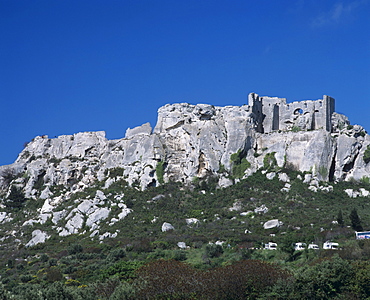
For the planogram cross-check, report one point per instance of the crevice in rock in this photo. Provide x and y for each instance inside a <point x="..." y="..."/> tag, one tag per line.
<point x="348" y="167"/>
<point x="332" y="167"/>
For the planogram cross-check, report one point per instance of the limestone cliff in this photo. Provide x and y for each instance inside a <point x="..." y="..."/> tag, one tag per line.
<point x="191" y="141"/>
<point x="188" y="142"/>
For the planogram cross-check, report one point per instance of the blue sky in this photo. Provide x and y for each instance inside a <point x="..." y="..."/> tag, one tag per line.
<point x="68" y="66"/>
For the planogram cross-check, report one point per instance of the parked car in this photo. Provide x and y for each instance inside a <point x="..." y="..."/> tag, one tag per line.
<point x="299" y="246"/>
<point x="313" y="246"/>
<point x="330" y="246"/>
<point x="271" y="246"/>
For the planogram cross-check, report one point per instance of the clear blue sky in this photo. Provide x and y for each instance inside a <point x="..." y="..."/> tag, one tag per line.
<point x="68" y="66"/>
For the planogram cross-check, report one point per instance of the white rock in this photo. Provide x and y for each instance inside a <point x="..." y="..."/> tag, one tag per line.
<point x="58" y="215"/>
<point x="272" y="224"/>
<point x="312" y="188"/>
<point x="124" y="213"/>
<point x="270" y="175"/>
<point x="100" y="195"/>
<point x="224" y="182"/>
<point x="38" y="237"/>
<point x="167" y="226"/>
<point x="284" y="177"/>
<point x="246" y="213"/>
<point x="3" y="216"/>
<point x="97" y="216"/>
<point x="46" y="193"/>
<point x="307" y="178"/>
<point x="192" y="221"/>
<point x="261" y="210"/>
<point x="47" y="207"/>
<point x="181" y="245"/>
<point x="364" y="193"/>
<point x="74" y="224"/>
<point x="349" y="192"/>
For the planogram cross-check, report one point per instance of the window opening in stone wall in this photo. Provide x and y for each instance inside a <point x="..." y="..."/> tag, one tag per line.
<point x="320" y="103"/>
<point x="298" y="111"/>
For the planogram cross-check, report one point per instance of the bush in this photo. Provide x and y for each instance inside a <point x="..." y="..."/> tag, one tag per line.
<point x="74" y="249"/>
<point x="269" y="161"/>
<point x="159" y="170"/>
<point x="213" y="250"/>
<point x="366" y="156"/>
<point x="240" y="164"/>
<point x="16" y="198"/>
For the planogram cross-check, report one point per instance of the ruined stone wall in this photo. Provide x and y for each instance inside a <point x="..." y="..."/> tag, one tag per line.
<point x="274" y="114"/>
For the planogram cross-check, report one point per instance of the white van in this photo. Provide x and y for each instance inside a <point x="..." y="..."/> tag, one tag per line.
<point x="330" y="246"/>
<point x="299" y="246"/>
<point x="313" y="246"/>
<point x="271" y="246"/>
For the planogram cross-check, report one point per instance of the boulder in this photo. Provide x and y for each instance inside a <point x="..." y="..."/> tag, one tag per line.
<point x="38" y="237"/>
<point x="167" y="227"/>
<point x="272" y="224"/>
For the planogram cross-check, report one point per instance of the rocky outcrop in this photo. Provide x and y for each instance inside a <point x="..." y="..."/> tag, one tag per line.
<point x="188" y="142"/>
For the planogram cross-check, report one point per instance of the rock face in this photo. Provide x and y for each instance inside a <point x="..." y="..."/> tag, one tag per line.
<point x="188" y="142"/>
<point x="191" y="141"/>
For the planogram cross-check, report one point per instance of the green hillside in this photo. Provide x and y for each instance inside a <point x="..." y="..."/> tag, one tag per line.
<point x="142" y="257"/>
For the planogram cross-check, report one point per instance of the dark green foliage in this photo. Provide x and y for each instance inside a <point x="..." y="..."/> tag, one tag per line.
<point x="74" y="249"/>
<point x="7" y="175"/>
<point x="269" y="161"/>
<point x="123" y="270"/>
<point x="355" y="220"/>
<point x="213" y="250"/>
<point x="57" y="291"/>
<point x="324" y="280"/>
<point x="366" y="156"/>
<point x="159" y="170"/>
<point x="16" y="198"/>
<point x="114" y="172"/>
<point x="116" y="254"/>
<point x="239" y="164"/>
<point x="340" y="219"/>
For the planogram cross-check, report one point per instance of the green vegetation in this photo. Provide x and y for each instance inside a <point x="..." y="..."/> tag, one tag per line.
<point x="240" y="164"/>
<point x="143" y="262"/>
<point x="270" y="162"/>
<point x="159" y="171"/>
<point x="366" y="157"/>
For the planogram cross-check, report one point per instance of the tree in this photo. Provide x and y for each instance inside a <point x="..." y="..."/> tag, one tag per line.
<point x="355" y="220"/>
<point x="16" y="198"/>
<point x="340" y="218"/>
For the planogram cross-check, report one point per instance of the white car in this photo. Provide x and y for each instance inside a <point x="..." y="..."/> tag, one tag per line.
<point x="313" y="246"/>
<point x="299" y="246"/>
<point x="271" y="246"/>
<point x="330" y="246"/>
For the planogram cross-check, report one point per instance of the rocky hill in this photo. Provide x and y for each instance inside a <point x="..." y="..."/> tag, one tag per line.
<point x="189" y="143"/>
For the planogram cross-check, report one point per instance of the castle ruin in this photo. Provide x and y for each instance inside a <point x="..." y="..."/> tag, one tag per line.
<point x="274" y="114"/>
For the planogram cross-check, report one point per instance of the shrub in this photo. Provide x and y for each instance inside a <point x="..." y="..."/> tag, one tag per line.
<point x="213" y="250"/>
<point x="74" y="249"/>
<point x="366" y="156"/>
<point x="269" y="161"/>
<point x="159" y="170"/>
<point x="16" y="198"/>
<point x="240" y="164"/>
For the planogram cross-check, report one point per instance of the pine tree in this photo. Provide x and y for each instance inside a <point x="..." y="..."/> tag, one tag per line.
<point x="340" y="218"/>
<point x="355" y="220"/>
